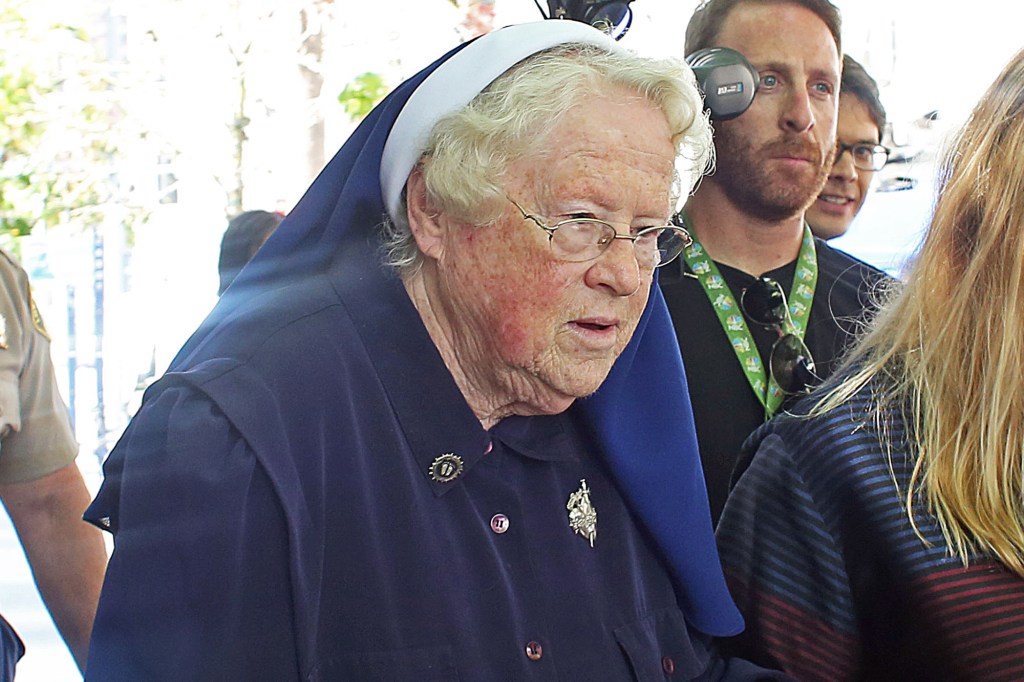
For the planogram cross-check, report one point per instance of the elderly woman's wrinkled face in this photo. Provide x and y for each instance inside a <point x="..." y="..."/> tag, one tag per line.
<point x="544" y="330"/>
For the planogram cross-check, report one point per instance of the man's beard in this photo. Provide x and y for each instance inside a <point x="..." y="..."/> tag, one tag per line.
<point x="742" y="171"/>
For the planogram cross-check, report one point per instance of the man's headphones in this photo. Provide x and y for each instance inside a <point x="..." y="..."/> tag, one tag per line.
<point x="727" y="80"/>
<point x="611" y="16"/>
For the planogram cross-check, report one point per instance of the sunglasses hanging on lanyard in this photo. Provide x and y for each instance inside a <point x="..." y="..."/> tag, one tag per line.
<point x="790" y="367"/>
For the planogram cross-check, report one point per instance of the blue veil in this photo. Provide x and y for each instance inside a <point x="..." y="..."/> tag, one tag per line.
<point x="641" y="416"/>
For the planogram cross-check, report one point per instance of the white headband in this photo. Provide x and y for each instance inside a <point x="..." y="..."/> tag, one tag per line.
<point x="455" y="83"/>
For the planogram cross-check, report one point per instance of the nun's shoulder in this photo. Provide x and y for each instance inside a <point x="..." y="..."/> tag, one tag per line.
<point x="286" y="321"/>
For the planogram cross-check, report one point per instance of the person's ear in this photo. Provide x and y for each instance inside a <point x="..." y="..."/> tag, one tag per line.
<point x="425" y="223"/>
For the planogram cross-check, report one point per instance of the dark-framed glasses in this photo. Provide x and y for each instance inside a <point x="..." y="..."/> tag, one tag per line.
<point x="866" y="157"/>
<point x="581" y="239"/>
<point x="790" y="362"/>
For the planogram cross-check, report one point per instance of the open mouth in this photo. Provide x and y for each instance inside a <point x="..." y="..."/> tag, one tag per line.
<point x="596" y="335"/>
<point x="594" y="326"/>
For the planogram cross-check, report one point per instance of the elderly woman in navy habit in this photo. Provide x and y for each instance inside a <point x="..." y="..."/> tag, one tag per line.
<point x="398" y="448"/>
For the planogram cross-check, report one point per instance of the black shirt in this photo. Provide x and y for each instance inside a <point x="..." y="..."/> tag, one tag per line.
<point x="725" y="408"/>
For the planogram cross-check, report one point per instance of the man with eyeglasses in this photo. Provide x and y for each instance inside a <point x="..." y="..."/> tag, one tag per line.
<point x="761" y="308"/>
<point x="859" y="154"/>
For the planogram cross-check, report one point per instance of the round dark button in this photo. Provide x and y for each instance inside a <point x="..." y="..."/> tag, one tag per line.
<point x="668" y="665"/>
<point x="499" y="523"/>
<point x="534" y="651"/>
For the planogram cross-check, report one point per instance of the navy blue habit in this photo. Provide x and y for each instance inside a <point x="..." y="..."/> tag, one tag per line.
<point x="278" y="513"/>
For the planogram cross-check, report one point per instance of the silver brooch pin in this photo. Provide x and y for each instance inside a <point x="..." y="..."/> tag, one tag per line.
<point x="582" y="515"/>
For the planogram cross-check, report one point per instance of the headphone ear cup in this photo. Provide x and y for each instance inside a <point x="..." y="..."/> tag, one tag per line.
<point x="614" y="17"/>
<point x="727" y="80"/>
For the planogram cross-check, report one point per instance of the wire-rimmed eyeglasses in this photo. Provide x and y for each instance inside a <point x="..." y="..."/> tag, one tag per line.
<point x="866" y="157"/>
<point x="581" y="239"/>
<point x="790" y="363"/>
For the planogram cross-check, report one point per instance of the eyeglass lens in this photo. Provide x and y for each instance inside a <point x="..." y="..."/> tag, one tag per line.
<point x="764" y="302"/>
<point x="790" y="363"/>
<point x="867" y="157"/>
<point x="582" y="240"/>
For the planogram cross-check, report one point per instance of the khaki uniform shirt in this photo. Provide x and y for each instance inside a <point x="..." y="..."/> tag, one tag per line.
<point x="35" y="432"/>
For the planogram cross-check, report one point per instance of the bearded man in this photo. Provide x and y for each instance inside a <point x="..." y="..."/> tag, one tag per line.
<point x="762" y="309"/>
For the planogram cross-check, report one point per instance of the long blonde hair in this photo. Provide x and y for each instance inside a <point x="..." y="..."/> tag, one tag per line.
<point x="949" y="345"/>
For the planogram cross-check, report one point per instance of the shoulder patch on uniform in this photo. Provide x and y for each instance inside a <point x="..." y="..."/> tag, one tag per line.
<point x="37" y="318"/>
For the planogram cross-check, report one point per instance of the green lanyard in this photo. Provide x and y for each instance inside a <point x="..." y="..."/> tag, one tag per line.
<point x="735" y="325"/>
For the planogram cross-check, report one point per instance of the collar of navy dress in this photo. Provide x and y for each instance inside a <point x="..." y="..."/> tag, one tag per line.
<point x="651" y="454"/>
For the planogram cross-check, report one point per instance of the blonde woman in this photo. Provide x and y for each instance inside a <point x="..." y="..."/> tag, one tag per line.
<point x="879" y="532"/>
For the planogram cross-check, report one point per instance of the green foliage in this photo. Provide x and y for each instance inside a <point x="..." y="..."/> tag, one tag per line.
<point x="58" y="127"/>
<point x="361" y="95"/>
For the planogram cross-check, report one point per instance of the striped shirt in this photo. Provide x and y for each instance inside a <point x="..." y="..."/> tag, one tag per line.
<point x="831" y="578"/>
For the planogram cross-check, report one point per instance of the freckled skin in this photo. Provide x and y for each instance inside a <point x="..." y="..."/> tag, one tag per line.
<point x="522" y="332"/>
<point x="792" y="117"/>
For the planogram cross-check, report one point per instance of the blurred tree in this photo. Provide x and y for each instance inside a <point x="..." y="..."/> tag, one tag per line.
<point x="367" y="89"/>
<point x="247" y="32"/>
<point x="362" y="94"/>
<point x="238" y="23"/>
<point x="58" y="114"/>
<point x="312" y="20"/>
